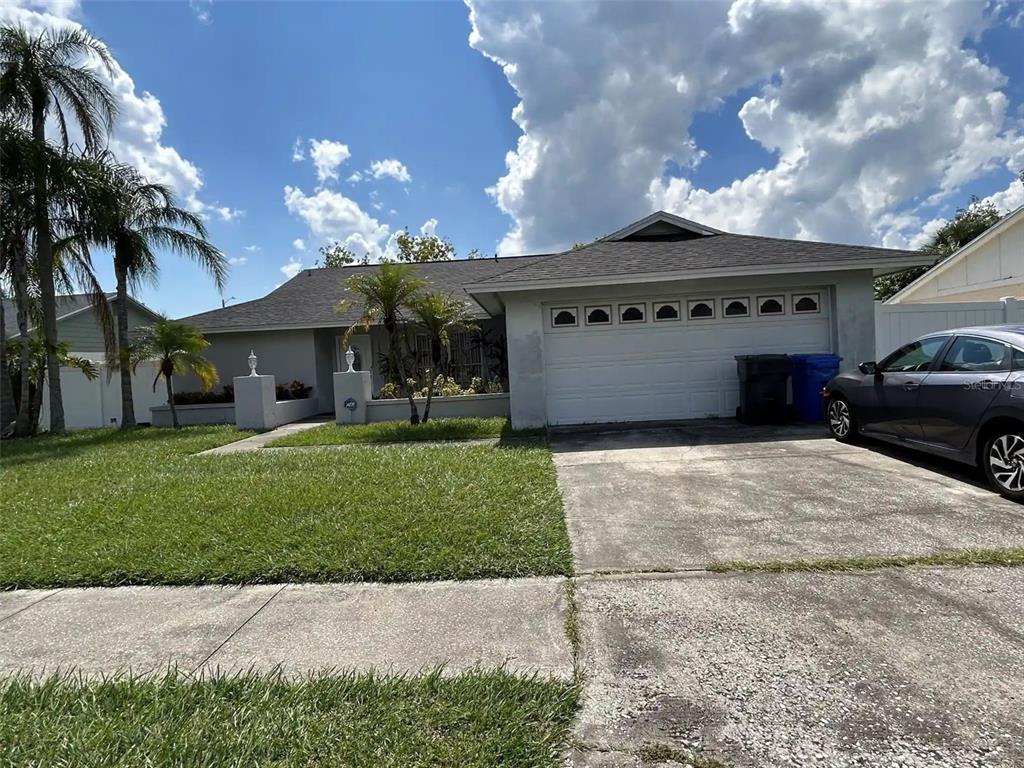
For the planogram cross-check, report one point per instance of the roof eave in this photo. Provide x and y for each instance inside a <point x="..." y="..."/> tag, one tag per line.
<point x="878" y="267"/>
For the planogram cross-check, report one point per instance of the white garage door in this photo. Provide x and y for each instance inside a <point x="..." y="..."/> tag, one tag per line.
<point x="671" y="358"/>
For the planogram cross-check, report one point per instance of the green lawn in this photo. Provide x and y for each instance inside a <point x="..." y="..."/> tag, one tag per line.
<point x="475" y="719"/>
<point x="403" y="431"/>
<point x="109" y="508"/>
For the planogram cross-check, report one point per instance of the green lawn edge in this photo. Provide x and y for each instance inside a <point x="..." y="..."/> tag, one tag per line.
<point x="965" y="557"/>
<point x="435" y="430"/>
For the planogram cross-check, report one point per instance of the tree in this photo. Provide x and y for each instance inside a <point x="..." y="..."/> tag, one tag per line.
<point x="134" y="217"/>
<point x="69" y="181"/>
<point x="385" y="294"/>
<point x="419" y="248"/>
<point x="439" y="316"/>
<point x="476" y="253"/>
<point x="966" y="224"/>
<point x="35" y="370"/>
<point x="41" y="76"/>
<point x="338" y="255"/>
<point x="177" y="348"/>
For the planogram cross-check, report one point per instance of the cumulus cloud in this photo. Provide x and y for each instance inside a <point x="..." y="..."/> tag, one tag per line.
<point x="292" y="268"/>
<point x="331" y="216"/>
<point x="429" y="227"/>
<point x="299" y="244"/>
<point x="390" y="168"/>
<point x="237" y="261"/>
<point x="137" y="137"/>
<point x="203" y="10"/>
<point x="226" y="213"/>
<point x="872" y="112"/>
<point x="252" y="248"/>
<point x="327" y="156"/>
<point x="355" y="178"/>
<point x="298" y="151"/>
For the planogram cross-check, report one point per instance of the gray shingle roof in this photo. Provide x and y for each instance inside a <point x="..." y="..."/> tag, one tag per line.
<point x="623" y="258"/>
<point x="309" y="299"/>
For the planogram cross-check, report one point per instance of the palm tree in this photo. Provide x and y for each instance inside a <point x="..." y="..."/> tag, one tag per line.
<point x="440" y="316"/>
<point x="385" y="294"/>
<point x="41" y="76"/>
<point x="137" y="217"/>
<point x="69" y="179"/>
<point x="177" y="349"/>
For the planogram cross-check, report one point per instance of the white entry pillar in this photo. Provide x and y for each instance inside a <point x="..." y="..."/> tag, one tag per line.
<point x="352" y="391"/>
<point x="255" y="399"/>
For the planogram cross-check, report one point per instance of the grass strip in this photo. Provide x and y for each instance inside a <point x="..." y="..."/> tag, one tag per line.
<point x="402" y="431"/>
<point x="473" y="719"/>
<point x="963" y="557"/>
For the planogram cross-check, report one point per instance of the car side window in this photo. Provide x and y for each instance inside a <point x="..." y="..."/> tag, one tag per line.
<point x="973" y="354"/>
<point x="1018" y="359"/>
<point x="916" y="356"/>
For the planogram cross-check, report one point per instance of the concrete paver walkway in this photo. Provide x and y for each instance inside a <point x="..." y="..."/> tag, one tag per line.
<point x="519" y="623"/>
<point x="256" y="442"/>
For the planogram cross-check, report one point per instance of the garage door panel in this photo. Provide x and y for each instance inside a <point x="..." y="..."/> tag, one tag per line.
<point x="652" y="371"/>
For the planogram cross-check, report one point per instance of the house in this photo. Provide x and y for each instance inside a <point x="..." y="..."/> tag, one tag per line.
<point x="96" y="402"/>
<point x="988" y="268"/>
<point x="641" y="325"/>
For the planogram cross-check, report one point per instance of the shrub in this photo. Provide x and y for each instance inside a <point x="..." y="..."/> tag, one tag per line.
<point x="225" y="395"/>
<point x="294" y="391"/>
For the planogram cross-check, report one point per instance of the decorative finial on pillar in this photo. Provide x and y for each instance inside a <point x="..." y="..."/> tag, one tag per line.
<point x="252" y="363"/>
<point x="350" y="358"/>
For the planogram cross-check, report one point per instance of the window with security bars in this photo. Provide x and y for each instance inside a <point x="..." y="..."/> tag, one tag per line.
<point x="465" y="356"/>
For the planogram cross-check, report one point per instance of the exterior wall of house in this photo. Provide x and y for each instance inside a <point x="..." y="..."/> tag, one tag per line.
<point x="853" y="322"/>
<point x="288" y="355"/>
<point x="83" y="334"/>
<point x="993" y="270"/>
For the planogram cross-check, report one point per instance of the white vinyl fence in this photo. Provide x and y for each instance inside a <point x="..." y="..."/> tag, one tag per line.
<point x="897" y="324"/>
<point x="97" y="403"/>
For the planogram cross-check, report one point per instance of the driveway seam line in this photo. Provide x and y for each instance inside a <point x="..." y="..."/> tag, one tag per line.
<point x="237" y="629"/>
<point x="32" y="604"/>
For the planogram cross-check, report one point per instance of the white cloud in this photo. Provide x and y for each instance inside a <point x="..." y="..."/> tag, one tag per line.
<point x="252" y="248"/>
<point x="292" y="268"/>
<point x="298" y="153"/>
<point x="390" y="168"/>
<point x="138" y="133"/>
<point x="299" y="244"/>
<point x="429" y="227"/>
<point x="228" y="214"/>
<point x="355" y="178"/>
<point x="332" y="216"/>
<point x="327" y="156"/>
<point x="237" y="261"/>
<point x="866" y="108"/>
<point x="203" y="9"/>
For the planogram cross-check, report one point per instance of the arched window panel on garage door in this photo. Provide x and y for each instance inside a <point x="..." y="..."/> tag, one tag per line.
<point x="633" y="313"/>
<point x="806" y="303"/>
<point x="564" y="317"/>
<point x="737" y="306"/>
<point x="666" y="311"/>
<point x="771" y="305"/>
<point x="598" y="315"/>
<point x="700" y="309"/>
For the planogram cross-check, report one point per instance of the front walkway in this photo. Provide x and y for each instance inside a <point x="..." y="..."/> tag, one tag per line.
<point x="254" y="443"/>
<point x="303" y="628"/>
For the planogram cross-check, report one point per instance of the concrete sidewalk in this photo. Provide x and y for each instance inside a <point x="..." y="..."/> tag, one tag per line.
<point x="301" y="627"/>
<point x="254" y="443"/>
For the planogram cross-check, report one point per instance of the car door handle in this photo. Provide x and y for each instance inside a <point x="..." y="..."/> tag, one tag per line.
<point x="910" y="386"/>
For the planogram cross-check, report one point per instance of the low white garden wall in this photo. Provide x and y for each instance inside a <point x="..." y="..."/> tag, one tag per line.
<point x="476" y="406"/>
<point x="190" y="415"/>
<point x="292" y="410"/>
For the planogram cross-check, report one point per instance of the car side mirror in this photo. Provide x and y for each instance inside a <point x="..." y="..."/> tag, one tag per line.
<point x="869" y="368"/>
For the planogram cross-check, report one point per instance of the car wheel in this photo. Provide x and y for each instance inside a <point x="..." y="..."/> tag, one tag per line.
<point x="1004" y="463"/>
<point x="841" y="422"/>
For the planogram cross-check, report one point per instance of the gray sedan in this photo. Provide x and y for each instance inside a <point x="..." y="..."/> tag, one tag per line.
<point x="957" y="393"/>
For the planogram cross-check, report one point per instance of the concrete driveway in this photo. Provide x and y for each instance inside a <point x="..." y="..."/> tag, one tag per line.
<point x="921" y="668"/>
<point x="683" y="497"/>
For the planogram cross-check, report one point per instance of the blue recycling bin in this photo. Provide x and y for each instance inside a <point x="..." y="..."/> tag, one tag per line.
<point x="810" y="375"/>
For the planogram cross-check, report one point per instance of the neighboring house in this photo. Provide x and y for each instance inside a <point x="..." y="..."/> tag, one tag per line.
<point x="641" y="325"/>
<point x="988" y="268"/>
<point x="93" y="403"/>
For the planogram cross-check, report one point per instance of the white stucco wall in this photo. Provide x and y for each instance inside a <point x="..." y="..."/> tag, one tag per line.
<point x="853" y="321"/>
<point x="287" y="355"/>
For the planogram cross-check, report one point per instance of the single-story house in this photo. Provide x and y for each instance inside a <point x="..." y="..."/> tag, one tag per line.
<point x="989" y="268"/>
<point x="643" y="324"/>
<point x="96" y="402"/>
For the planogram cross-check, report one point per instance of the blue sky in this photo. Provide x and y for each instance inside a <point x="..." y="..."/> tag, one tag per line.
<point x="523" y="127"/>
